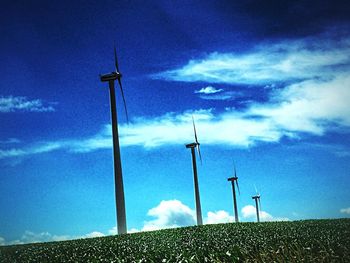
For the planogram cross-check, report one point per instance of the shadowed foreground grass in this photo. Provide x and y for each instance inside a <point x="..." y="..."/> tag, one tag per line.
<point x="299" y="241"/>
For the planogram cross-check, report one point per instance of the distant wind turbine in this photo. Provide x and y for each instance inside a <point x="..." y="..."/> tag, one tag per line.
<point x="233" y="180"/>
<point x="257" y="203"/>
<point x="195" y="177"/>
<point x="118" y="177"/>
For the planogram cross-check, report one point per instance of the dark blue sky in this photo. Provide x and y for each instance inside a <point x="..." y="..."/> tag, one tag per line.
<point x="267" y="83"/>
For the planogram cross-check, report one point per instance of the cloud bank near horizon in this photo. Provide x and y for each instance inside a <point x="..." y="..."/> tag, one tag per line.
<point x="167" y="214"/>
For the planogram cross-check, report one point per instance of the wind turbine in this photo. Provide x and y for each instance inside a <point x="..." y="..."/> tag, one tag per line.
<point x="118" y="177"/>
<point x="257" y="200"/>
<point x="233" y="180"/>
<point x="192" y="146"/>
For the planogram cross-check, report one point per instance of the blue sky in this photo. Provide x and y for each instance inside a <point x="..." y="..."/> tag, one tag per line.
<point x="268" y="85"/>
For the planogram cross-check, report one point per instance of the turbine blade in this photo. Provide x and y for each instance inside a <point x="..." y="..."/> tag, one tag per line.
<point x="239" y="192"/>
<point x="116" y="60"/>
<point x="195" y="132"/>
<point x="256" y="191"/>
<point x="121" y="89"/>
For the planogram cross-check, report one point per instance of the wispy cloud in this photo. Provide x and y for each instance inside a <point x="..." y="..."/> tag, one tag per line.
<point x="345" y="210"/>
<point x="225" y="95"/>
<point x="208" y="90"/>
<point x="22" y="104"/>
<point x="212" y="93"/>
<point x="312" y="107"/>
<point x="310" y="58"/>
<point x="311" y="99"/>
<point x="10" y="141"/>
<point x="37" y="148"/>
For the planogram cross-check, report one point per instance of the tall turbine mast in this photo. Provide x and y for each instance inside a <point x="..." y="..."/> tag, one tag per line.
<point x="192" y="146"/>
<point x="257" y="203"/>
<point x="233" y="180"/>
<point x="118" y="177"/>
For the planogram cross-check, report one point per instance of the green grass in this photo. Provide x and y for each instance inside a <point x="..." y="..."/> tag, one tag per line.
<point x="299" y="241"/>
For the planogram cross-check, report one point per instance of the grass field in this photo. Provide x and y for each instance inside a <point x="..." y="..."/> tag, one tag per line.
<point x="299" y="241"/>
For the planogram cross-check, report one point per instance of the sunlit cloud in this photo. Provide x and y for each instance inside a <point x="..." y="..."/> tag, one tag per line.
<point x="285" y="61"/>
<point x="312" y="107"/>
<point x="222" y="95"/>
<point x="93" y="234"/>
<point x="169" y="214"/>
<point x="173" y="213"/>
<point x="2" y="241"/>
<point x="345" y="210"/>
<point x="22" y="104"/>
<point x="33" y="237"/>
<point x="217" y="217"/>
<point x="208" y="90"/>
<point x="249" y="212"/>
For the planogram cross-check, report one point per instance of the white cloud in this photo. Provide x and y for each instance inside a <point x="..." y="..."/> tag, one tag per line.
<point x="2" y="241"/>
<point x="12" y="104"/>
<point x="312" y="107"/>
<point x="93" y="234"/>
<point x="218" y="217"/>
<point x="114" y="230"/>
<point x="208" y="90"/>
<point x="32" y="237"/>
<point x="133" y="230"/>
<point x="249" y="212"/>
<point x="169" y="214"/>
<point x="225" y="95"/>
<point x="173" y="213"/>
<point x="11" y="153"/>
<point x="10" y="141"/>
<point x="37" y="148"/>
<point x="272" y="62"/>
<point x="345" y="210"/>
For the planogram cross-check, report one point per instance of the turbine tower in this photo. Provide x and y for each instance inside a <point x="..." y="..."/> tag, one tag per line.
<point x="195" y="177"/>
<point x="233" y="180"/>
<point x="118" y="177"/>
<point x="257" y="200"/>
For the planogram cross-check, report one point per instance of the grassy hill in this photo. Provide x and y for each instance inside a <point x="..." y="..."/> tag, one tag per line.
<point x="299" y="241"/>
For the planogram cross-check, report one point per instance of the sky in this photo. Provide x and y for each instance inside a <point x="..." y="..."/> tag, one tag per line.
<point x="268" y="85"/>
